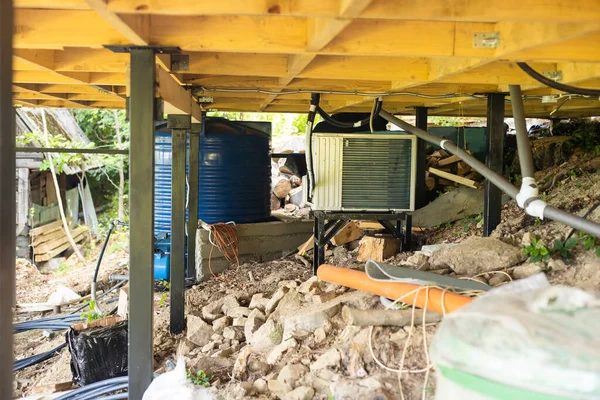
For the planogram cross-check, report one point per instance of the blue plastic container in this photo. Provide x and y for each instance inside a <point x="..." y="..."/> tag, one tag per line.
<point x="163" y="160"/>
<point x="234" y="172"/>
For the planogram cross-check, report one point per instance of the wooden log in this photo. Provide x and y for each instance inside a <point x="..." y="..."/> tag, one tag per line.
<point x="378" y="247"/>
<point x="401" y="318"/>
<point x="369" y="225"/>
<point x="275" y="202"/>
<point x="40" y="230"/>
<point x="448" y="161"/>
<point x="348" y="233"/>
<point x="462" y="168"/>
<point x="282" y="188"/>
<point x="53" y="244"/>
<point x="455" y="178"/>
<point x="430" y="183"/>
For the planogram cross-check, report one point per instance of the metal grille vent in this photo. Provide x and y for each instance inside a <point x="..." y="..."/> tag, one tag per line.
<point x="376" y="174"/>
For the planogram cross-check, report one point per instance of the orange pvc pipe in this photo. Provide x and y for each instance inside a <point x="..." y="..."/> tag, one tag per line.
<point x="393" y="290"/>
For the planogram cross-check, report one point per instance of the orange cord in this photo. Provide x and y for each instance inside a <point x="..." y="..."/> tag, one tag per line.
<point x="224" y="236"/>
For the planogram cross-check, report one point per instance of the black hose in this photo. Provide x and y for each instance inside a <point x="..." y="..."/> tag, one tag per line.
<point x="327" y="118"/>
<point x="29" y="361"/>
<point x="556" y="85"/>
<point x="107" y="384"/>
<point x="94" y="394"/>
<point x="315" y="98"/>
<point x="587" y="214"/>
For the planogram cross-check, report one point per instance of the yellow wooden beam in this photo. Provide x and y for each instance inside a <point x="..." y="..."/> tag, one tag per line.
<point x="52" y="4"/>
<point x="440" y="10"/>
<point x="90" y="60"/>
<point x="33" y="93"/>
<point x="135" y="28"/>
<point x="179" y="100"/>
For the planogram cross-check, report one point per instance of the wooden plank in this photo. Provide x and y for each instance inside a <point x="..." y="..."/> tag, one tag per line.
<point x="55" y="234"/>
<point x="58" y="250"/>
<point x="53" y="244"/>
<point x="455" y="178"/>
<point x="136" y="28"/>
<point x="307" y="245"/>
<point x="370" y="225"/>
<point x="171" y="92"/>
<point x="462" y="168"/>
<point x="448" y="161"/>
<point x="44" y="229"/>
<point x="348" y="233"/>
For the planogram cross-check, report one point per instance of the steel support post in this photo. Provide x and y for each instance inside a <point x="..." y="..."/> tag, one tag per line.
<point x="7" y="200"/>
<point x="179" y="125"/>
<point x="193" y="198"/>
<point x="318" y="249"/>
<point x="141" y="221"/>
<point x="421" y="122"/>
<point x="493" y="160"/>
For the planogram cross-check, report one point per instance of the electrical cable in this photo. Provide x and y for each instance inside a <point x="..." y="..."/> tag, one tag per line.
<point x="557" y="85"/>
<point x="587" y="214"/>
<point x="346" y="125"/>
<point x="108" y="385"/>
<point x="29" y="361"/>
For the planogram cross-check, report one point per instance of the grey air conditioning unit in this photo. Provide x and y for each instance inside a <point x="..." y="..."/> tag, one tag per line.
<point x="357" y="172"/>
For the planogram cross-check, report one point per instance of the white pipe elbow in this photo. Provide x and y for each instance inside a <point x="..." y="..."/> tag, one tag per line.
<point x="527" y="198"/>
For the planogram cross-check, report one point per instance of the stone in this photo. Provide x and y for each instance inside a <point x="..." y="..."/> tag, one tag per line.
<point x="278" y="350"/>
<point x="330" y="359"/>
<point x="366" y="388"/>
<point x="260" y="385"/>
<point x="291" y="373"/>
<point x="320" y="335"/>
<point x="556" y="264"/>
<point x="221" y="323"/>
<point x="237" y="312"/>
<point x="300" y="393"/>
<point x="258" y="367"/>
<point x="355" y="364"/>
<point x="261" y="339"/>
<point x="528" y="269"/>
<point x="498" y="279"/>
<point x="289" y="304"/>
<point x="278" y="387"/>
<point x="300" y="335"/>
<point x="526" y="239"/>
<point x="258" y="301"/>
<point x="213" y="366"/>
<point x="209" y="346"/>
<point x="288" y="283"/>
<point x="226" y="352"/>
<point x="198" y="331"/>
<point x="212" y="311"/>
<point x="229" y="302"/>
<point x="217" y="338"/>
<point x="309" y="285"/>
<point x="239" y="321"/>
<point x="242" y="390"/>
<point x="323" y="297"/>
<point x="476" y="255"/>
<point x="275" y="299"/>
<point x="419" y="260"/>
<point x="240" y="365"/>
<point x="398" y="336"/>
<point x="253" y="322"/>
<point x="233" y="332"/>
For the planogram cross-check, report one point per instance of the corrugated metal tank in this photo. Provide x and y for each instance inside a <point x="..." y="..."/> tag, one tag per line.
<point x="235" y="173"/>
<point x="162" y="182"/>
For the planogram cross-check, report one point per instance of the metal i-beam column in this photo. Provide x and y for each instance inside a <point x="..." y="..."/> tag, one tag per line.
<point x="421" y="122"/>
<point x="493" y="159"/>
<point x="193" y="198"/>
<point x="141" y="220"/>
<point x="179" y="125"/>
<point x="7" y="200"/>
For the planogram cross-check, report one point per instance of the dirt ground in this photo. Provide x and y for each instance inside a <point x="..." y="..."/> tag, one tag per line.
<point x="351" y="370"/>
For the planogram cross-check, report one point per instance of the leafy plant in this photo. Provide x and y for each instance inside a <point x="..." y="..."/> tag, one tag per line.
<point x="470" y="221"/>
<point x="589" y="242"/>
<point x="536" y="251"/>
<point x="165" y="295"/>
<point x="199" y="378"/>
<point x="563" y="248"/>
<point x="92" y="313"/>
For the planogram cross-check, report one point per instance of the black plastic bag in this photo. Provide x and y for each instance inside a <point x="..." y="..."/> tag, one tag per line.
<point x="98" y="353"/>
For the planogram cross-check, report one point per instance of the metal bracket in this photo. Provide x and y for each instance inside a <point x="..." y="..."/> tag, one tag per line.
<point x="486" y="40"/>
<point x="196" y="128"/>
<point x="205" y="99"/>
<point x="157" y="49"/>
<point x="180" y="62"/>
<point x="554" y="75"/>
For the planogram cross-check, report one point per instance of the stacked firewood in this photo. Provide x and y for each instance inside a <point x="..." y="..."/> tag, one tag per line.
<point x="444" y="169"/>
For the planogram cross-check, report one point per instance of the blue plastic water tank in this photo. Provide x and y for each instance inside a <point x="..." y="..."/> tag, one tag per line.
<point x="234" y="173"/>
<point x="162" y="182"/>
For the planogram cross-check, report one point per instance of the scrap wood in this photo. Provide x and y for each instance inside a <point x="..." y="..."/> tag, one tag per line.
<point x="357" y="317"/>
<point x="52" y="388"/>
<point x="307" y="245"/>
<point x="409" y="293"/>
<point x="347" y="234"/>
<point x="449" y="160"/>
<point x="25" y="307"/>
<point x="45" y="229"/>
<point x="53" y="244"/>
<point x="458" y="179"/>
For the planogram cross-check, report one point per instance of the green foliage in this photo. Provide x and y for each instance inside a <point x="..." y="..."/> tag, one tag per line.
<point x="60" y="160"/>
<point x="589" y="242"/>
<point x="91" y="314"/>
<point x="585" y="134"/>
<point x="470" y="221"/>
<point x="199" y="378"/>
<point x="536" y="251"/>
<point x="455" y="121"/>
<point x="165" y="295"/>
<point x="282" y="124"/>
<point x="563" y="248"/>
